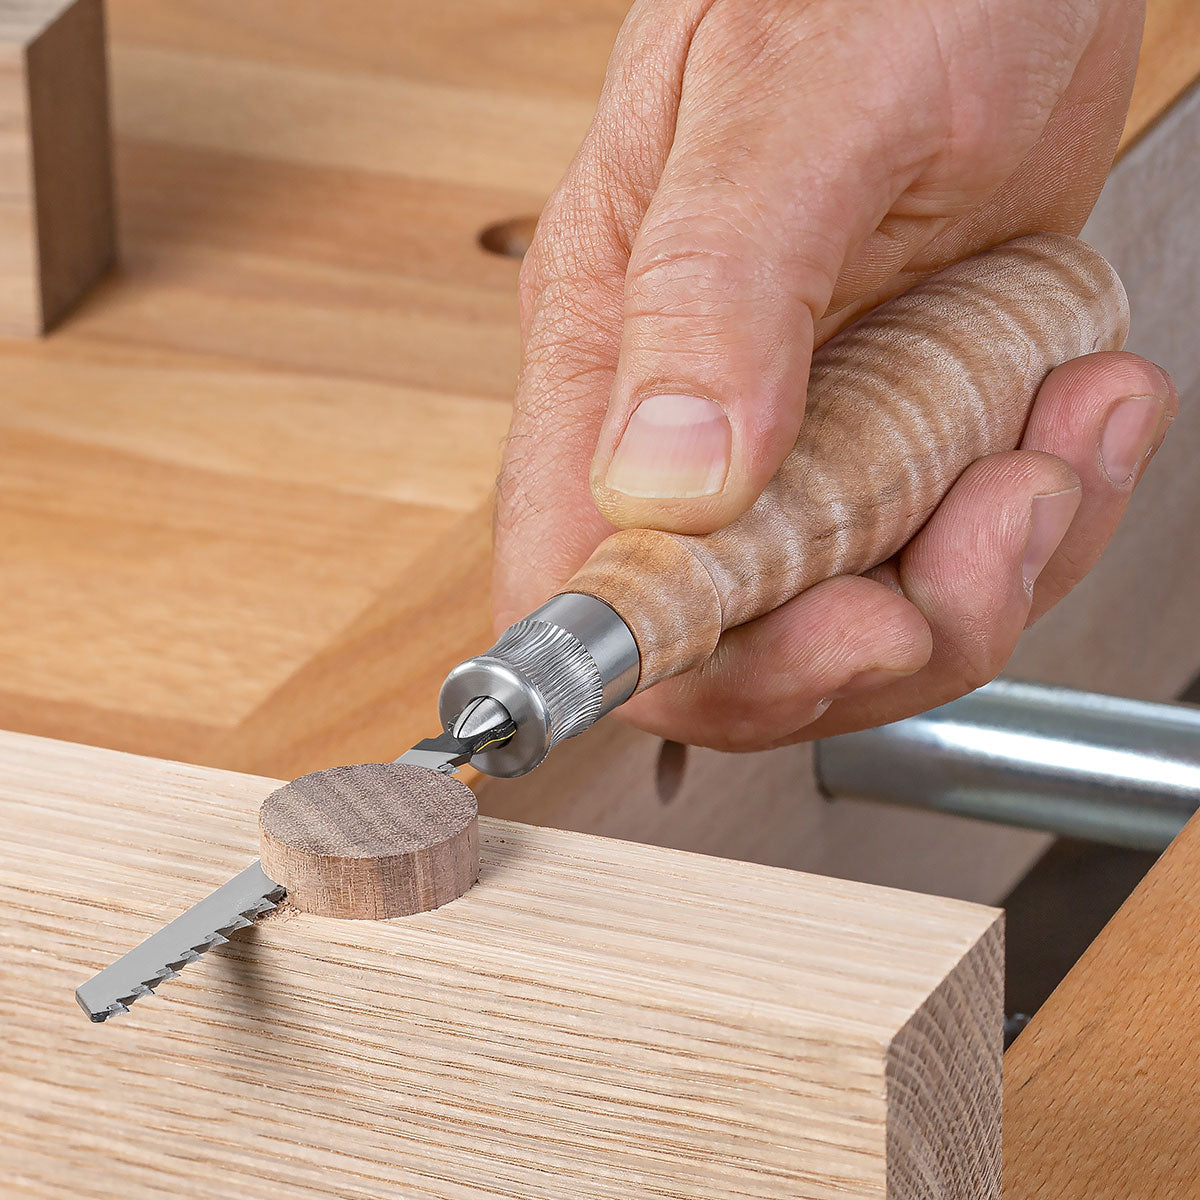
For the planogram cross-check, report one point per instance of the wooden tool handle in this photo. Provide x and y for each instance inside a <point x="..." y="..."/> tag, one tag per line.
<point x="899" y="405"/>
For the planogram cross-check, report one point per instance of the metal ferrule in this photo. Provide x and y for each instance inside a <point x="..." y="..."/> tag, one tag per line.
<point x="556" y="672"/>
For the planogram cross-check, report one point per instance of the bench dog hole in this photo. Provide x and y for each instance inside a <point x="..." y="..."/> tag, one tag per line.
<point x="509" y="238"/>
<point x="668" y="775"/>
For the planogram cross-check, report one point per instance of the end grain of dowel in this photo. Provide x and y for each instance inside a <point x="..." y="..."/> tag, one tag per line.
<point x="371" y="841"/>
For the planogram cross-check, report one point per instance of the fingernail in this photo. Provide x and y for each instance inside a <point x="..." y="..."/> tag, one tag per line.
<point x="1050" y="517"/>
<point x="1128" y="436"/>
<point x="673" y="446"/>
<point x="867" y="681"/>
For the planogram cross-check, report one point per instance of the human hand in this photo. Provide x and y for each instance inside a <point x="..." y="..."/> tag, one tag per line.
<point x="736" y="202"/>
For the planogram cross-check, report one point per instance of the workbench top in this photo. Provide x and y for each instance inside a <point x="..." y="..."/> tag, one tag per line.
<point x="289" y="399"/>
<point x="273" y="431"/>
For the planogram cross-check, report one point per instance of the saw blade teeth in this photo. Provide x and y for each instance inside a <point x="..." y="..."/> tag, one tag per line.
<point x="231" y="907"/>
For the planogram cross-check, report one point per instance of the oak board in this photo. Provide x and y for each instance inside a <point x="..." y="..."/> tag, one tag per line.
<point x="593" y="1019"/>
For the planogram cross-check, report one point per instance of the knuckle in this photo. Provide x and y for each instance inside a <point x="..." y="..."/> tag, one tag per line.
<point x="688" y="267"/>
<point x="579" y="232"/>
<point x="765" y="34"/>
<point x="978" y="660"/>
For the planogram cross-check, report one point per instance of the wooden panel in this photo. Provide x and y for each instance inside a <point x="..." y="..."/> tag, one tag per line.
<point x="1101" y="1089"/>
<point x="593" y="1018"/>
<point x="1169" y="63"/>
<point x="56" y="218"/>
<point x="1130" y="627"/>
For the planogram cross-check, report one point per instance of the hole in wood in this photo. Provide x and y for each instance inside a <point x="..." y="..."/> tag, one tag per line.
<point x="668" y="778"/>
<point x="509" y="238"/>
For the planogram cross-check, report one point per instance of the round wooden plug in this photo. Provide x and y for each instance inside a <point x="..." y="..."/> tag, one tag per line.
<point x="371" y="841"/>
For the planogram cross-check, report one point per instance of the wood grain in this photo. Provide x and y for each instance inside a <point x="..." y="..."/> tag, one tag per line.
<point x="593" y="1018"/>
<point x="899" y="405"/>
<point x="57" y="224"/>
<point x="1101" y="1088"/>
<point x="371" y="841"/>
<point x="1169" y="64"/>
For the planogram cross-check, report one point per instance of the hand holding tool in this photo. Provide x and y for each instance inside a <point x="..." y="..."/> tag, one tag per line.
<point x="899" y="405"/>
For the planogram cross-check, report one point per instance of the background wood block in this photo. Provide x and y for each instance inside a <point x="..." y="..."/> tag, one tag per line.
<point x="1101" y="1088"/>
<point x="593" y="1018"/>
<point x="57" y="225"/>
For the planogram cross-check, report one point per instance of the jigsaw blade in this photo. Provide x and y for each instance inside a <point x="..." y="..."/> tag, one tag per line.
<point x="238" y="903"/>
<point x="207" y="924"/>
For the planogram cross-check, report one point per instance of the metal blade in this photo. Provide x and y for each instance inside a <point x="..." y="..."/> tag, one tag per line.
<point x="234" y="905"/>
<point x="483" y="724"/>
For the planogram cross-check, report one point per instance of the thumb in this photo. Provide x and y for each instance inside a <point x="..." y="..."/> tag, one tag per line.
<point x="735" y="260"/>
<point x="712" y="372"/>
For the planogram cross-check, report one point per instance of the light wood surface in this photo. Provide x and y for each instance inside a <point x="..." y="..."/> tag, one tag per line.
<point x="57" y="225"/>
<point x="899" y="405"/>
<point x="244" y="488"/>
<point x="594" y="1018"/>
<point x="1101" y="1089"/>
<point x="371" y="841"/>
<point x="1169" y="64"/>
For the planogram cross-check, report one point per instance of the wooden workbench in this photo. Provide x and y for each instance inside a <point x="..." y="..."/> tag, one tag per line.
<point x="593" y="1019"/>
<point x="244" y="489"/>
<point x="1102" y="1090"/>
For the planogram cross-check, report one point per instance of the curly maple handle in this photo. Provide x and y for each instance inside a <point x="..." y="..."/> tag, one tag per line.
<point x="899" y="405"/>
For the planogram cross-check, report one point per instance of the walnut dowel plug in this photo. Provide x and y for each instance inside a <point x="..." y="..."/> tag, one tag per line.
<point x="372" y="841"/>
<point x="899" y="405"/>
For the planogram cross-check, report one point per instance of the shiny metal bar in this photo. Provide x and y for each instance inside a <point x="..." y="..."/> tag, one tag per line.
<point x="1125" y="772"/>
